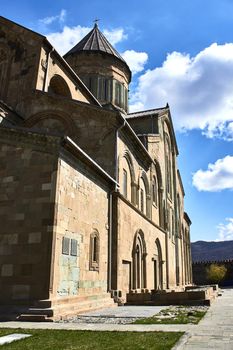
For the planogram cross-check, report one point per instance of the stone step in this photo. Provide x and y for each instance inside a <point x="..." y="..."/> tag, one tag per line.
<point x="46" y="303"/>
<point x="34" y="318"/>
<point x="64" y="311"/>
<point x="38" y="311"/>
<point x="47" y="310"/>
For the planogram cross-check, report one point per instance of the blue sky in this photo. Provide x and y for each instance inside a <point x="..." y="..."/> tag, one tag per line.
<point x="180" y="52"/>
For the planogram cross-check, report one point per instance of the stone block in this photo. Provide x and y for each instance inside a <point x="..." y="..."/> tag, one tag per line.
<point x="20" y="291"/>
<point x="7" y="270"/>
<point x="34" y="237"/>
<point x="46" y="186"/>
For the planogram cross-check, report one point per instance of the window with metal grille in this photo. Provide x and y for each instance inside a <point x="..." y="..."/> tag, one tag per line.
<point x="66" y="246"/>
<point x="74" y="247"/>
<point x="94" y="251"/>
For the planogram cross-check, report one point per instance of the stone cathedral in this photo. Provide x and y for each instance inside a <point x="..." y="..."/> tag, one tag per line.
<point x="91" y="199"/>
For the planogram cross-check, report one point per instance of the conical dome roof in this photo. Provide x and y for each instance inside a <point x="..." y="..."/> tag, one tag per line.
<point x="95" y="41"/>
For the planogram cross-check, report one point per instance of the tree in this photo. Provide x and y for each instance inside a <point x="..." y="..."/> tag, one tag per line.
<point x="216" y="273"/>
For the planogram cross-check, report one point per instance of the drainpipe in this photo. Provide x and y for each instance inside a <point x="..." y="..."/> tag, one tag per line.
<point x="165" y="226"/>
<point x="110" y="242"/>
<point x="175" y="219"/>
<point x="45" y="84"/>
<point x="111" y="207"/>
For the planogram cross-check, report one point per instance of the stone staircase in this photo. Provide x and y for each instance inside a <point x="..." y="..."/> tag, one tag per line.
<point x="54" y="310"/>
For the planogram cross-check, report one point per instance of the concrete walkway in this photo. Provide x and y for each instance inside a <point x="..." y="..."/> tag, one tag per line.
<point x="215" y="331"/>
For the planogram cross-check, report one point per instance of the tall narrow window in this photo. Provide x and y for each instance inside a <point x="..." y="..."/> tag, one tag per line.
<point x="94" y="251"/>
<point x="142" y="200"/>
<point x="94" y="257"/>
<point x="139" y="261"/>
<point x="117" y="93"/>
<point x="155" y="191"/>
<point x="125" y="183"/>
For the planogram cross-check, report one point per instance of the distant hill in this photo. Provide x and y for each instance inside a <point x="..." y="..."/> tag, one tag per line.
<point x="212" y="251"/>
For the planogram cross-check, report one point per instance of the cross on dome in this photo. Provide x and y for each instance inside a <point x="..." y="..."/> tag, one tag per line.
<point x="96" y="22"/>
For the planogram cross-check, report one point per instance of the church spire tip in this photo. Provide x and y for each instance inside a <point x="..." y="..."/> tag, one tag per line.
<point x="96" y="23"/>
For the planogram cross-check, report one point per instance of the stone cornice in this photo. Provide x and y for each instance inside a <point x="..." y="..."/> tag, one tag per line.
<point x="15" y="135"/>
<point x="50" y="144"/>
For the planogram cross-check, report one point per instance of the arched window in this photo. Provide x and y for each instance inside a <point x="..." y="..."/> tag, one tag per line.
<point x="59" y="86"/>
<point x="125" y="183"/>
<point x="94" y="251"/>
<point x="155" y="191"/>
<point x="127" y="177"/>
<point x="142" y="196"/>
<point x="158" y="268"/>
<point x="139" y="261"/>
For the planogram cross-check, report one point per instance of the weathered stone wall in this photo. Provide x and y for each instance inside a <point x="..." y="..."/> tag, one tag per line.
<point x="157" y="136"/>
<point x="92" y="128"/>
<point x="81" y="209"/>
<point x="27" y="63"/>
<point x="27" y="195"/>
<point x="22" y="50"/>
<point x="130" y="221"/>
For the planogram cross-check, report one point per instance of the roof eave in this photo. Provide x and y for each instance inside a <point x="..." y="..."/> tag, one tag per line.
<point x="147" y="158"/>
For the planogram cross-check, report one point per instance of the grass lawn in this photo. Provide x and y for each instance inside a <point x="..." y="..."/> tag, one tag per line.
<point x="178" y="315"/>
<point x="85" y="340"/>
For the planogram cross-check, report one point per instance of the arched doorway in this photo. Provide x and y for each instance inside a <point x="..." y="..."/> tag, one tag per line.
<point x="139" y="261"/>
<point x="158" y="266"/>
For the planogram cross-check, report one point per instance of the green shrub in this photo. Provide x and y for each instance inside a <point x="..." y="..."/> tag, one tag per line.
<point x="216" y="273"/>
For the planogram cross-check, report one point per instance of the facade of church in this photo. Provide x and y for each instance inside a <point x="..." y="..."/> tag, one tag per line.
<point x="91" y="199"/>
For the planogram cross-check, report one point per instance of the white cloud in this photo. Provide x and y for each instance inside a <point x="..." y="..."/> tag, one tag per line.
<point x="218" y="176"/>
<point x="135" y="60"/>
<point x="199" y="90"/>
<point x="64" y="40"/>
<point x="225" y="231"/>
<point x="115" y="35"/>
<point x="48" y="20"/>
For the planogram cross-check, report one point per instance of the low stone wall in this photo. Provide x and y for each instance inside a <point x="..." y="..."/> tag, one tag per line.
<point x="195" y="296"/>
